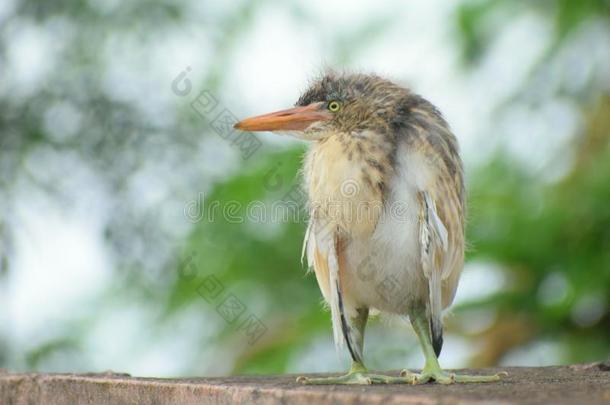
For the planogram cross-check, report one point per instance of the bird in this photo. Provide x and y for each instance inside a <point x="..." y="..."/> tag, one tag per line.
<point x="386" y="202"/>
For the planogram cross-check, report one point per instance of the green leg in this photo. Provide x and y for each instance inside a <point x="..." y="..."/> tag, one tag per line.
<point x="358" y="374"/>
<point x="432" y="370"/>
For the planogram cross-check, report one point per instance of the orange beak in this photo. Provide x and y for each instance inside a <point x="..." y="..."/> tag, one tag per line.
<point x="292" y="119"/>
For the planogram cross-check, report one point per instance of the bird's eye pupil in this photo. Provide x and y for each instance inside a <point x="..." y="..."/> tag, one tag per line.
<point x="333" y="106"/>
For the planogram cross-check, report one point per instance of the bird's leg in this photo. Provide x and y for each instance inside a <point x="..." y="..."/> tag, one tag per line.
<point x="432" y="370"/>
<point x="358" y="373"/>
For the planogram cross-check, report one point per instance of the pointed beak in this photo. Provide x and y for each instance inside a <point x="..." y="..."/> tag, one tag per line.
<point x="292" y="119"/>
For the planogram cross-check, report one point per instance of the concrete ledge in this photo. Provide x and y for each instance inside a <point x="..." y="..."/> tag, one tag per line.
<point x="578" y="384"/>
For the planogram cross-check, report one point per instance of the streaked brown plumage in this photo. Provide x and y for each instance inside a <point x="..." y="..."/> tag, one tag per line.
<point x="387" y="207"/>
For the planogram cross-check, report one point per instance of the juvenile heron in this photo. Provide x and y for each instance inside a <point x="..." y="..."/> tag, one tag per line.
<point x="387" y="207"/>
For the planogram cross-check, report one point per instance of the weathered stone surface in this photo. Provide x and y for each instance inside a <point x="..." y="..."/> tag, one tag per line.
<point x="578" y="384"/>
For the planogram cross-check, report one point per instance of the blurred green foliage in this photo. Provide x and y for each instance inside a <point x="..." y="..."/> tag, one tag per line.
<point x="552" y="240"/>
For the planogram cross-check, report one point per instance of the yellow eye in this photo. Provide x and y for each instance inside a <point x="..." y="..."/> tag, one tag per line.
<point x="334" y="106"/>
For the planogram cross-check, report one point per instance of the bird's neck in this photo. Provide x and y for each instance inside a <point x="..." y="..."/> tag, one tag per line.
<point x="346" y="178"/>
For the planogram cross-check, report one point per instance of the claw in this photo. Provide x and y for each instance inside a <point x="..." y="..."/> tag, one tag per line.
<point x="404" y="373"/>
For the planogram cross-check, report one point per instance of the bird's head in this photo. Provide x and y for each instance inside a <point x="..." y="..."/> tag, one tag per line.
<point x="335" y="104"/>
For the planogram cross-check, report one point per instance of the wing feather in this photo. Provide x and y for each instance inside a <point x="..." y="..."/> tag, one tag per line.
<point x="439" y="251"/>
<point x="322" y="255"/>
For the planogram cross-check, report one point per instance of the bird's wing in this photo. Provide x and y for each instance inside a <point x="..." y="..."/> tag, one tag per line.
<point x="322" y="256"/>
<point x="433" y="236"/>
<point x="442" y="228"/>
<point x="441" y="247"/>
<point x="326" y="254"/>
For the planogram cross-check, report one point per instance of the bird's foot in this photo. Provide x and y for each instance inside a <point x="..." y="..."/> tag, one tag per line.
<point x="358" y="378"/>
<point x="358" y="375"/>
<point x="443" y="377"/>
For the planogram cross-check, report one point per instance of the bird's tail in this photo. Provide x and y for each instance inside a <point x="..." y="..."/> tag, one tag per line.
<point x="435" y="315"/>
